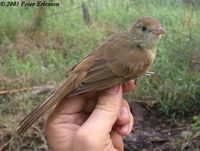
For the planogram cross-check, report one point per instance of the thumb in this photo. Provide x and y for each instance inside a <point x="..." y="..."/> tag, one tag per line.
<point x="106" y="111"/>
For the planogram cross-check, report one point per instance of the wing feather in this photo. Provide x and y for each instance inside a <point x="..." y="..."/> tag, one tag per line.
<point x="100" y="76"/>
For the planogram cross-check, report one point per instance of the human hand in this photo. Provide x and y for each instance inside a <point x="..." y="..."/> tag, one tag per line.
<point x="91" y="122"/>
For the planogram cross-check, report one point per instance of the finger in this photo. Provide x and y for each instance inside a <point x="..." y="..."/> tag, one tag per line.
<point x="105" y="113"/>
<point x="126" y="129"/>
<point x="92" y="97"/>
<point x="124" y="122"/>
<point x="124" y="114"/>
<point x="128" y="86"/>
<point x="90" y="105"/>
<point x="117" y="141"/>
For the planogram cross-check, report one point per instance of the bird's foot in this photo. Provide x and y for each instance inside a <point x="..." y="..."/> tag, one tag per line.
<point x="149" y="73"/>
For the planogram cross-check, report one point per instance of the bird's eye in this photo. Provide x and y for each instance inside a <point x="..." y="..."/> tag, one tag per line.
<point x="144" y="28"/>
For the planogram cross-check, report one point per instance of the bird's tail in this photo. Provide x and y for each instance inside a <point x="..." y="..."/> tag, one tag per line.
<point x="56" y="97"/>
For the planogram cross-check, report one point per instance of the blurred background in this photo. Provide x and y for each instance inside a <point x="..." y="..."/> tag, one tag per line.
<point x="39" y="44"/>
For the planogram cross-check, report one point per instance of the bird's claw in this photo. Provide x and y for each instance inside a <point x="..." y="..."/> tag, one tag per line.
<point x="149" y="73"/>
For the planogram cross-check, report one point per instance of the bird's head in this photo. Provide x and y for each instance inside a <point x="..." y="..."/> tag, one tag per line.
<point x="146" y="32"/>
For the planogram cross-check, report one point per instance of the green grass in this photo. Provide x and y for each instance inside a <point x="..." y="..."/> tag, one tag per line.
<point x="173" y="86"/>
<point x="66" y="39"/>
<point x="196" y="125"/>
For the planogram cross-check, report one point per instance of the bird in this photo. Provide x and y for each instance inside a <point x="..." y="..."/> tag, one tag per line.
<point x="123" y="56"/>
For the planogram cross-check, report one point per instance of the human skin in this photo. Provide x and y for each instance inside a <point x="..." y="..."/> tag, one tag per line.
<point x="95" y="122"/>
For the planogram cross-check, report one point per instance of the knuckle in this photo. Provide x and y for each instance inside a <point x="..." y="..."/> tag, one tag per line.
<point x="109" y="103"/>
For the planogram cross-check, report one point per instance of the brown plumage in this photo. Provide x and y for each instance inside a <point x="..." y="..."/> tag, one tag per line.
<point x="123" y="56"/>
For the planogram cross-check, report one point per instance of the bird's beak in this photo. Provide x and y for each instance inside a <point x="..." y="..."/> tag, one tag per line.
<point x="159" y="31"/>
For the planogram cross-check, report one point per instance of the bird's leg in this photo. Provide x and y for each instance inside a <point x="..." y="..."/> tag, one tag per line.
<point x="149" y="73"/>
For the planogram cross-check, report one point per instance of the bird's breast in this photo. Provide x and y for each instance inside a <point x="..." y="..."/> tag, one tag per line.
<point x="140" y="60"/>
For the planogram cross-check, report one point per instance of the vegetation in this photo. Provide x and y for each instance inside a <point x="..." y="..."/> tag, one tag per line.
<point x="196" y="125"/>
<point x="61" y="38"/>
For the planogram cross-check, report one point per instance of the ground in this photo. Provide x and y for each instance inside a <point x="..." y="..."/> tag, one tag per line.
<point x="157" y="132"/>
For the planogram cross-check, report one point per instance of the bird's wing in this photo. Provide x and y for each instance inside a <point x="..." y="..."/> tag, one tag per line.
<point x="99" y="77"/>
<point x="105" y="71"/>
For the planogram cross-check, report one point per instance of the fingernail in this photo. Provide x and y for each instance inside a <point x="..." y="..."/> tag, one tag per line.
<point x="125" y="129"/>
<point x="124" y="113"/>
<point x="112" y="90"/>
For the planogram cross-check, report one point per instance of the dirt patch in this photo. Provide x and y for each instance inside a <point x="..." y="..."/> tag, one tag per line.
<point x="154" y="131"/>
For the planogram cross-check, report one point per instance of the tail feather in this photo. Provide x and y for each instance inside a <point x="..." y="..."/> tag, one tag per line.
<point x="43" y="107"/>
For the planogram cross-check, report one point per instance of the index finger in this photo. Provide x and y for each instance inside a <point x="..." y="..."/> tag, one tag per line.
<point x="128" y="86"/>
